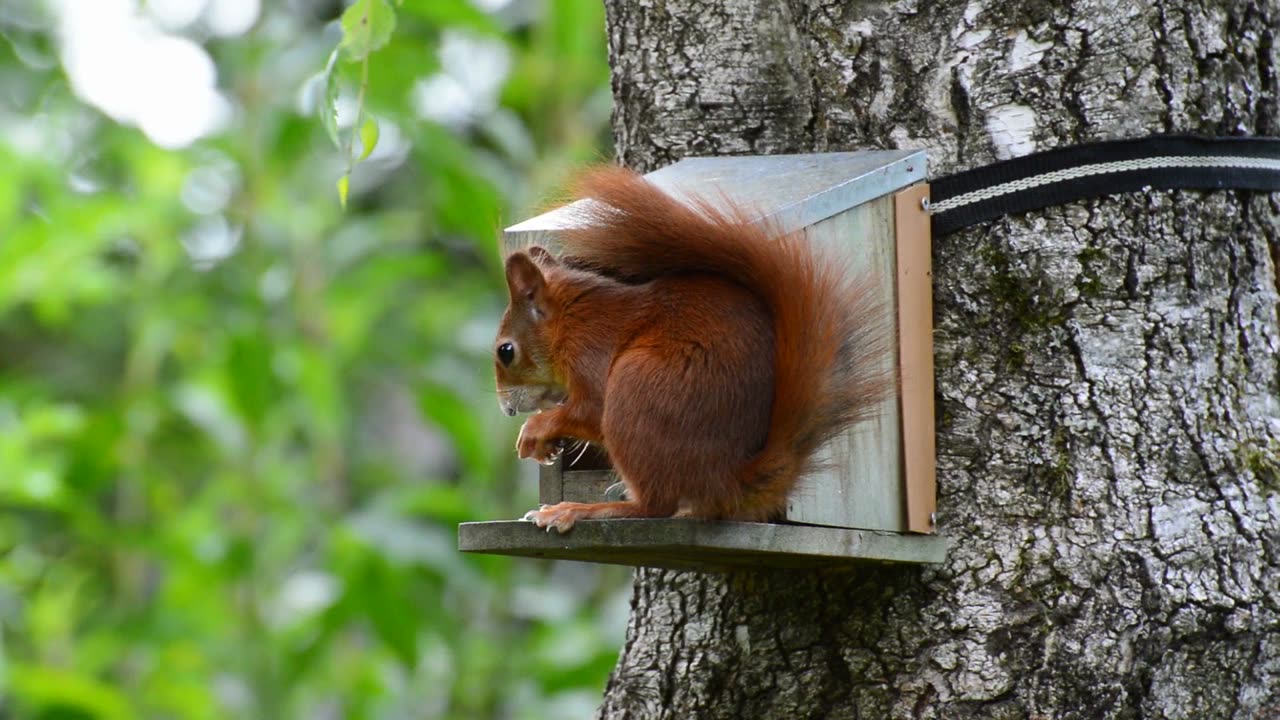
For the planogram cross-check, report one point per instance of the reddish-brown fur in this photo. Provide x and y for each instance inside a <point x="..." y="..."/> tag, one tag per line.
<point x="710" y="356"/>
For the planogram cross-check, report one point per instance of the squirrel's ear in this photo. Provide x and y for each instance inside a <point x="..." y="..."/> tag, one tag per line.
<point x="541" y="256"/>
<point x="525" y="282"/>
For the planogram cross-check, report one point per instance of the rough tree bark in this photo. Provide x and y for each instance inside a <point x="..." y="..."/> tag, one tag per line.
<point x="1108" y="372"/>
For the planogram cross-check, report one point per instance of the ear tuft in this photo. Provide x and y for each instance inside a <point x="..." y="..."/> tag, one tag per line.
<point x="542" y="256"/>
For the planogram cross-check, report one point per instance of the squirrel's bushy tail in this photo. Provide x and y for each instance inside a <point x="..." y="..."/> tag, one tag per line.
<point x="831" y="332"/>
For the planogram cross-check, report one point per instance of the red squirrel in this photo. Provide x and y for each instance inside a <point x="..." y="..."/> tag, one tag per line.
<point x="708" y="353"/>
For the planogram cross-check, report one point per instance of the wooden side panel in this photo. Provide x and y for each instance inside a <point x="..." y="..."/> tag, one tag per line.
<point x="860" y="485"/>
<point x="550" y="482"/>
<point x="587" y="485"/>
<point x="915" y="337"/>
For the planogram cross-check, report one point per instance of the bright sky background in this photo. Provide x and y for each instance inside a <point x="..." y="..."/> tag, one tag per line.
<point x="132" y="62"/>
<point x="472" y="70"/>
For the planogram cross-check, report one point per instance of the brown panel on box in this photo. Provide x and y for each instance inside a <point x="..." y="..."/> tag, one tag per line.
<point x="915" y="341"/>
<point x="915" y="330"/>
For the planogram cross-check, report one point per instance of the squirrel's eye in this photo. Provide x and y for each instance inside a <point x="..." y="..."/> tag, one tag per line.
<point x="506" y="353"/>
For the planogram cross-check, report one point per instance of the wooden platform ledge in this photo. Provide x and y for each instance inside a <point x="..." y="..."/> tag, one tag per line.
<point x="694" y="545"/>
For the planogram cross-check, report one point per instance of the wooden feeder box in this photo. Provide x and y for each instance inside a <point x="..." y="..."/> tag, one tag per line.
<point x="875" y="502"/>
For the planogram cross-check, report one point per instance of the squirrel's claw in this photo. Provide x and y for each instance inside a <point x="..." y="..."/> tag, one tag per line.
<point x="532" y="514"/>
<point x="558" y="517"/>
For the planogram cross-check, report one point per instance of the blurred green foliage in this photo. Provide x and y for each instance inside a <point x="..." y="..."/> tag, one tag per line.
<point x="237" y="424"/>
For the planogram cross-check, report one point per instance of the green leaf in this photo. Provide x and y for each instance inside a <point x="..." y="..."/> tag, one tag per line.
<point x="368" y="138"/>
<point x="366" y="26"/>
<point x="250" y="377"/>
<point x="453" y="14"/>
<point x="328" y="106"/>
<point x="384" y="593"/>
<point x="53" y="421"/>
<point x="65" y="693"/>
<point x="344" y="185"/>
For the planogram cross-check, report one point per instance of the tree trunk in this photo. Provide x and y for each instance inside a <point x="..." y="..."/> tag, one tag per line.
<point x="1108" y="372"/>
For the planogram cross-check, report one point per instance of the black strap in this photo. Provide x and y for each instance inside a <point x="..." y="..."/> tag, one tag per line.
<point x="1076" y="172"/>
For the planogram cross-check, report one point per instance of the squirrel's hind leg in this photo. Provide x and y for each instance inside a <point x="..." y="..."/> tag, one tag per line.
<point x="562" y="516"/>
<point x="680" y="433"/>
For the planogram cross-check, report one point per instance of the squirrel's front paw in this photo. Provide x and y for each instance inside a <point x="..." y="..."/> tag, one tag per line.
<point x="544" y="449"/>
<point x="561" y="516"/>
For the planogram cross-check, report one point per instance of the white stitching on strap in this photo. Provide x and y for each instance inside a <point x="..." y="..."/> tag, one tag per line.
<point x="1169" y="161"/>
